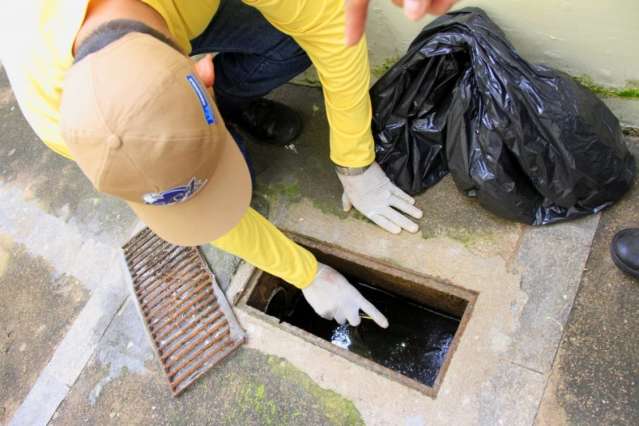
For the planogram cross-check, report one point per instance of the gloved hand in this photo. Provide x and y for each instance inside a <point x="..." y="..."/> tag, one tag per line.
<point x="333" y="297"/>
<point x="374" y="195"/>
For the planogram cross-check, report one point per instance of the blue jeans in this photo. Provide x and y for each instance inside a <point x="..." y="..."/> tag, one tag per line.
<point x="253" y="59"/>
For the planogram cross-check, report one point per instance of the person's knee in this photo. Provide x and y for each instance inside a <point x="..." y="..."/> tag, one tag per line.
<point x="286" y="50"/>
<point x="291" y="65"/>
<point x="300" y="62"/>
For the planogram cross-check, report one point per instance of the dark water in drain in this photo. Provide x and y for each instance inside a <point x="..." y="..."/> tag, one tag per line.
<point x="415" y="343"/>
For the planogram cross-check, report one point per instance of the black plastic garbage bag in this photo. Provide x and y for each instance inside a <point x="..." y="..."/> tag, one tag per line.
<point x="529" y="142"/>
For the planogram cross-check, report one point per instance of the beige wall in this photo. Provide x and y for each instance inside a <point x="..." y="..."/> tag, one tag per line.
<point x="596" y="38"/>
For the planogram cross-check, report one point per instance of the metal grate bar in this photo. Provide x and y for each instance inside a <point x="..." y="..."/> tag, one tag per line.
<point x="146" y="275"/>
<point x="178" y="359"/>
<point x="181" y="309"/>
<point x="141" y="257"/>
<point x="169" y="294"/>
<point x="177" y="326"/>
<point x="189" y="321"/>
<point x="187" y="374"/>
<point x="187" y="333"/>
<point x="142" y="238"/>
<point x="153" y="284"/>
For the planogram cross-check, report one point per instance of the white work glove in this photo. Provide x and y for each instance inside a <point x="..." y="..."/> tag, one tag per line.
<point x="374" y="195"/>
<point x="333" y="297"/>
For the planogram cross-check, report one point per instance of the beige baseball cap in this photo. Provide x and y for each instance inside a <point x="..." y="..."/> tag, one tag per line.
<point x="144" y="129"/>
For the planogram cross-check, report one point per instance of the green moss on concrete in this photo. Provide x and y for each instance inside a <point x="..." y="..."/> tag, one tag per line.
<point x="461" y="234"/>
<point x="328" y="206"/>
<point x="262" y="403"/>
<point x="253" y="396"/>
<point x="630" y="91"/>
<point x="290" y="192"/>
<point x="381" y="69"/>
<point x="339" y="411"/>
<point x="273" y="192"/>
<point x="249" y="388"/>
<point x="465" y="236"/>
<point x="335" y="208"/>
<point x="392" y="262"/>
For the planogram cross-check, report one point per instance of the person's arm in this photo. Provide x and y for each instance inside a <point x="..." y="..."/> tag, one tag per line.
<point x="318" y="27"/>
<point x="38" y="102"/>
<point x="37" y="64"/>
<point x="261" y="244"/>
<point x="258" y="242"/>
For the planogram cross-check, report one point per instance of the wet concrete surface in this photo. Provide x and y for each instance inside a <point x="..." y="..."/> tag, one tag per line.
<point x="37" y="306"/>
<point x="123" y="384"/>
<point x="595" y="377"/>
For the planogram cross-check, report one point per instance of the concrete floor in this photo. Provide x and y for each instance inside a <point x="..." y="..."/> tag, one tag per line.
<point x="552" y="339"/>
<point x="595" y="376"/>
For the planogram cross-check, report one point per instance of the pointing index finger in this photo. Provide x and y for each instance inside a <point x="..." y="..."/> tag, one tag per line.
<point x="373" y="312"/>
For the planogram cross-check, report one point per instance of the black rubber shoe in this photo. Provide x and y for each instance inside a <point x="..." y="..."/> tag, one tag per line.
<point x="624" y="250"/>
<point x="270" y="122"/>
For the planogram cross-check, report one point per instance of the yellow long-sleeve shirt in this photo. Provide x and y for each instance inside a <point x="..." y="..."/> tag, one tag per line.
<point x="36" y="51"/>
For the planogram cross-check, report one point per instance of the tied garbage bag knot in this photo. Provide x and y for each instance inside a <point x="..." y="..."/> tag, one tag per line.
<point x="529" y="142"/>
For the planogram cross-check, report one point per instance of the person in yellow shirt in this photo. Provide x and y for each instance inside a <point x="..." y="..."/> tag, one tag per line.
<point x="109" y="84"/>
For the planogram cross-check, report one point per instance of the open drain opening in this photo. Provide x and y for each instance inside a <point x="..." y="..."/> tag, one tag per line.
<point x="426" y="316"/>
<point x="415" y="344"/>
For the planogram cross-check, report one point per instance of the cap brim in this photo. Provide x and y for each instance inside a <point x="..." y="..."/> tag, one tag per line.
<point x="213" y="211"/>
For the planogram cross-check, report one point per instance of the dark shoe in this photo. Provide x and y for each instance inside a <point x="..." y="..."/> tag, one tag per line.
<point x="624" y="250"/>
<point x="270" y="122"/>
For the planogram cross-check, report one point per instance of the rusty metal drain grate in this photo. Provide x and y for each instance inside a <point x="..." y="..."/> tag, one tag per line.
<point x="186" y="314"/>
